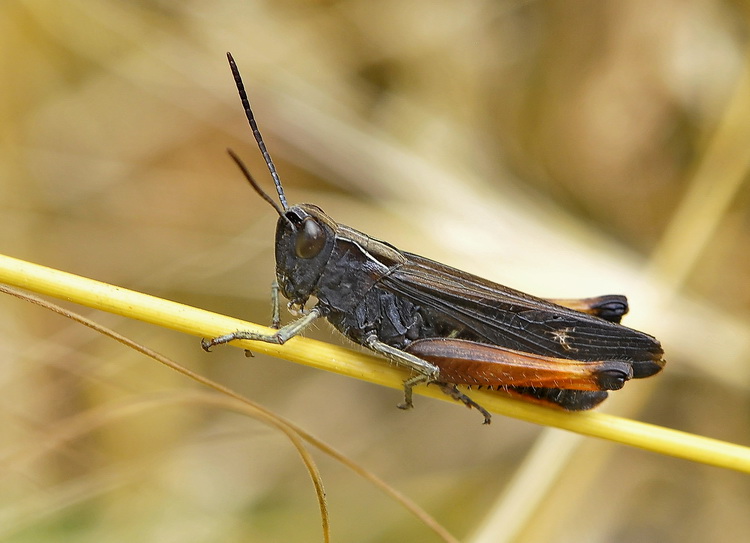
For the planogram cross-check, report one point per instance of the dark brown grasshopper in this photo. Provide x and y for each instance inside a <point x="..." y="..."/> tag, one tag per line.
<point x="446" y="326"/>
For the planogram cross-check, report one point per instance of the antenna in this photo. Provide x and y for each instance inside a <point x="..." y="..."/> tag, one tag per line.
<point x="254" y="183"/>
<point x="259" y="139"/>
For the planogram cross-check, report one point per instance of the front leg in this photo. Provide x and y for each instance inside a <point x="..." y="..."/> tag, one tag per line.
<point x="275" y="314"/>
<point x="282" y="336"/>
<point x="426" y="373"/>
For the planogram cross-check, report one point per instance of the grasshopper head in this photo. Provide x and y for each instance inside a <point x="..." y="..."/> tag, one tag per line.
<point x="305" y="237"/>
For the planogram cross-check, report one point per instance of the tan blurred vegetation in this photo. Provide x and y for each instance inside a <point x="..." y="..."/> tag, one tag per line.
<point x="565" y="148"/>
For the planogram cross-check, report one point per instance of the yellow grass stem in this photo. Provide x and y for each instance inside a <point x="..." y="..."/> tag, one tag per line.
<point x="317" y="354"/>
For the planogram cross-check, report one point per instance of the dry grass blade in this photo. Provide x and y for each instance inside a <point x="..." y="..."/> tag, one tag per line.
<point x="228" y="399"/>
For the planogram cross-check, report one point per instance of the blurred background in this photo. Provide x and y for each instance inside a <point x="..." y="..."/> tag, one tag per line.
<point x="568" y="149"/>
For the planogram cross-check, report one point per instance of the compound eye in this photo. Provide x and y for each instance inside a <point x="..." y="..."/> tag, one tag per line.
<point x="310" y="239"/>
